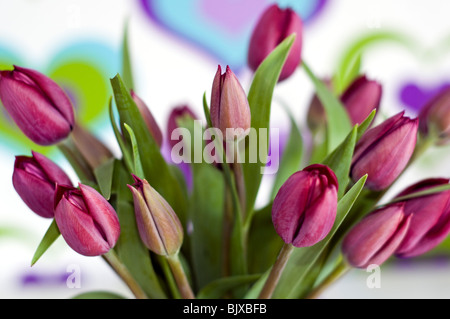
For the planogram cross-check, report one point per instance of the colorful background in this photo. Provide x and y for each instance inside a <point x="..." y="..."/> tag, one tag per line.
<point x="175" y="48"/>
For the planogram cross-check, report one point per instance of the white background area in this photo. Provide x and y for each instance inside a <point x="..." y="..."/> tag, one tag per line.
<point x="168" y="72"/>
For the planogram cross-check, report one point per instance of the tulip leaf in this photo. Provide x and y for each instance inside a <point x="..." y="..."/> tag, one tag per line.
<point x="429" y="191"/>
<point x="338" y="121"/>
<point x="49" y="238"/>
<point x="98" y="295"/>
<point x="156" y="170"/>
<point x="303" y="259"/>
<point x="292" y="156"/>
<point x="217" y="289"/>
<point x="126" y="59"/>
<point x="206" y="213"/>
<point x="129" y="247"/>
<point x="125" y="151"/>
<point x="104" y="176"/>
<point x="260" y="101"/>
<point x="138" y="170"/>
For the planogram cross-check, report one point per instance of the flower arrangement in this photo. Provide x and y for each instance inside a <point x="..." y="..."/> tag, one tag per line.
<point x="167" y="237"/>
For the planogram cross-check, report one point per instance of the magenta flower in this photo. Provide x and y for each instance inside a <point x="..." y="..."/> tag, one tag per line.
<point x="229" y="104"/>
<point x="304" y="208"/>
<point x="430" y="218"/>
<point x="175" y="114"/>
<point x="34" y="179"/>
<point x="273" y="27"/>
<point x="384" y="151"/>
<point x="149" y="120"/>
<point x="159" y="227"/>
<point x="38" y="106"/>
<point x="434" y="118"/>
<point x="376" y="237"/>
<point x="86" y="220"/>
<point x="361" y="98"/>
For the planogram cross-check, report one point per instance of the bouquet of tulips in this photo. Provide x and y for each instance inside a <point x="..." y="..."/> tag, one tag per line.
<point x="188" y="226"/>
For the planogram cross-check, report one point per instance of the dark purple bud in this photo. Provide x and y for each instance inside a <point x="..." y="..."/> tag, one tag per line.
<point x="34" y="179"/>
<point x="434" y="118"/>
<point x="38" y="106"/>
<point x="304" y="209"/>
<point x="150" y="121"/>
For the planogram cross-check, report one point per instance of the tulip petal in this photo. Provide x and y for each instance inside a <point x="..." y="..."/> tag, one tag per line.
<point x="53" y="171"/>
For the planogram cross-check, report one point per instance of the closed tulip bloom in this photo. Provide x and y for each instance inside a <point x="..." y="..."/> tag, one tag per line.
<point x="86" y="220"/>
<point x="229" y="104"/>
<point x="384" y="151"/>
<point x="430" y="218"/>
<point x="361" y="98"/>
<point x="159" y="227"/>
<point x="304" y="208"/>
<point x="175" y="114"/>
<point x="34" y="179"/>
<point x="273" y="27"/>
<point x="435" y="117"/>
<point x="38" y="106"/>
<point x="149" y="120"/>
<point x="376" y="237"/>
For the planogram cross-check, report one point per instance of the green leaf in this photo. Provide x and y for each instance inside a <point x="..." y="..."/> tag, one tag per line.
<point x="260" y="101"/>
<point x="104" y="176"/>
<point x="156" y="170"/>
<point x="349" y="59"/>
<point x="338" y="121"/>
<point x="352" y="71"/>
<point x="292" y="156"/>
<point x="303" y="259"/>
<point x="430" y="191"/>
<point x="49" y="238"/>
<point x="98" y="295"/>
<point x="217" y="289"/>
<point x="129" y="247"/>
<point x="138" y="170"/>
<point x="127" y="69"/>
<point x="124" y="149"/>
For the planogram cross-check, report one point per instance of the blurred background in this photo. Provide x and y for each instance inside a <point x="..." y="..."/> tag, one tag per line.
<point x="175" y="48"/>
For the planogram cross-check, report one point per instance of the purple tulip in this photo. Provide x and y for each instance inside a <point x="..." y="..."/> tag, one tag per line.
<point x="430" y="218"/>
<point x="434" y="118"/>
<point x="376" y="237"/>
<point x="159" y="227"/>
<point x="177" y="113"/>
<point x="229" y="104"/>
<point x="34" y="179"/>
<point x="304" y="208"/>
<point x="86" y="220"/>
<point x="384" y="151"/>
<point x="149" y="120"/>
<point x="38" y="106"/>
<point x="273" y="27"/>
<point x="361" y="98"/>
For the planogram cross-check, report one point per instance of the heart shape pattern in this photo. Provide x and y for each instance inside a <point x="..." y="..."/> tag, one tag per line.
<point x="222" y="28"/>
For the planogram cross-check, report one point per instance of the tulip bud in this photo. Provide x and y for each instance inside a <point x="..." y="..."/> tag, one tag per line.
<point x="435" y="117"/>
<point x="361" y="98"/>
<point x="376" y="237"/>
<point x="34" y="179"/>
<point x="384" y="151"/>
<point x="159" y="227"/>
<point x="38" y="106"/>
<point x="86" y="220"/>
<point x="273" y="27"/>
<point x="175" y="114"/>
<point x="150" y="121"/>
<point x="430" y="218"/>
<point x="304" y="208"/>
<point x="229" y="104"/>
<point x="316" y="117"/>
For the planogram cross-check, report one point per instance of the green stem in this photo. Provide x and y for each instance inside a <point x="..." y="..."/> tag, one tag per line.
<point x="114" y="261"/>
<point x="180" y="277"/>
<point x="169" y="277"/>
<point x="276" y="272"/>
<point x="340" y="270"/>
<point x="76" y="160"/>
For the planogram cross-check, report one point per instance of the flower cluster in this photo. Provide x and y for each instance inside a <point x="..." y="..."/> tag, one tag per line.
<point x="206" y="235"/>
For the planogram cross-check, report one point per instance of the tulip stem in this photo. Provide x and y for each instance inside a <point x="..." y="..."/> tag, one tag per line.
<point x="276" y="272"/>
<point x="169" y="276"/>
<point x="180" y="277"/>
<point x="339" y="270"/>
<point x="114" y="261"/>
<point x="76" y="160"/>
